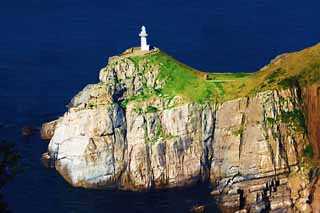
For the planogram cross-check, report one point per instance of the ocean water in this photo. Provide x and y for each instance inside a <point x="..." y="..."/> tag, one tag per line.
<point x="49" y="50"/>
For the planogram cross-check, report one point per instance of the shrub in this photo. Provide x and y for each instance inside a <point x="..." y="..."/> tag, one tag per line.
<point x="308" y="151"/>
<point x="151" y="109"/>
<point x="296" y="117"/>
<point x="289" y="82"/>
<point x="272" y="77"/>
<point x="270" y="122"/>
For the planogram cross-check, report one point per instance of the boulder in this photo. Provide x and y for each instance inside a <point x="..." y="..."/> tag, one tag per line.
<point x="47" y="130"/>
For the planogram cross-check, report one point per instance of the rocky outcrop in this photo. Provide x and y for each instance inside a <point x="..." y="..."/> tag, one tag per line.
<point x="47" y="130"/>
<point x="312" y="105"/>
<point x="167" y="148"/>
<point x="243" y="125"/>
<point x="316" y="195"/>
<point x="124" y="80"/>
<point x="245" y="147"/>
<point x="254" y="151"/>
<point x="88" y="146"/>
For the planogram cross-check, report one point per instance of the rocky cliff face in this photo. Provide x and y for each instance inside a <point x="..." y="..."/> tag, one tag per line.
<point x="119" y="134"/>
<point x="312" y="105"/>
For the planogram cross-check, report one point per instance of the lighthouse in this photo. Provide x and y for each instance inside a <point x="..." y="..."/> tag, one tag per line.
<point x="143" y="35"/>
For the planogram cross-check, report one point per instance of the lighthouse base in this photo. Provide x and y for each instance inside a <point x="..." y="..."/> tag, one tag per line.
<point x="145" y="48"/>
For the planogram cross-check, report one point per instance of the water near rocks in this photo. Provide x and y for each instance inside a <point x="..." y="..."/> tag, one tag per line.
<point x="49" y="50"/>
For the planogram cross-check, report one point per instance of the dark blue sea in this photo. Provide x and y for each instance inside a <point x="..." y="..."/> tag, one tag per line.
<point x="49" y="50"/>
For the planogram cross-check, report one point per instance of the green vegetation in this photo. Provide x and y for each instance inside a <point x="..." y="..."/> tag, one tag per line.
<point x="295" y="117"/>
<point x="286" y="71"/>
<point x="190" y="84"/>
<point x="180" y="79"/>
<point x="151" y="109"/>
<point x="310" y="74"/>
<point x="158" y="134"/>
<point x="226" y="76"/>
<point x="274" y="76"/>
<point x="270" y="122"/>
<point x="239" y="132"/>
<point x="145" y="94"/>
<point x="289" y="82"/>
<point x="308" y="151"/>
<point x="138" y="110"/>
<point x="92" y="106"/>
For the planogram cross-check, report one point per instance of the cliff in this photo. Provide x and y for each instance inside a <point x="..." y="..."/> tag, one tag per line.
<point x="153" y="122"/>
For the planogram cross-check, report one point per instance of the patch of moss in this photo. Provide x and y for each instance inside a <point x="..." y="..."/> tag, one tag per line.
<point x="138" y="109"/>
<point x="157" y="135"/>
<point x="135" y="61"/>
<point x="270" y="122"/>
<point x="181" y="80"/>
<point x="144" y="95"/>
<point x="220" y="87"/>
<point x="274" y="76"/>
<point x="239" y="131"/>
<point x="92" y="106"/>
<point x="295" y="117"/>
<point x="290" y="82"/>
<point x="308" y="151"/>
<point x="151" y="109"/>
<point x="310" y="74"/>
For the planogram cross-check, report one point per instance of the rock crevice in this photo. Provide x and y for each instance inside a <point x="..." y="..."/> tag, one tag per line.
<point x="245" y="147"/>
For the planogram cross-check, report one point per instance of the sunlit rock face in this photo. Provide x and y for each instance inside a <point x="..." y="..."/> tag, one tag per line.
<point x="243" y="146"/>
<point x="247" y="140"/>
<point x="88" y="146"/>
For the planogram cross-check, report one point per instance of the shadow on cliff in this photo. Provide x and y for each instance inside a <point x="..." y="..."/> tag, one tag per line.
<point x="312" y="109"/>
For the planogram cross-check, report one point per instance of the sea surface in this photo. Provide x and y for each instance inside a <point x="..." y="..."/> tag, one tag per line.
<point x="49" y="50"/>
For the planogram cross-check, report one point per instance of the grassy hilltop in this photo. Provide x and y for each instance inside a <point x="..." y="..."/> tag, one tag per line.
<point x="287" y="70"/>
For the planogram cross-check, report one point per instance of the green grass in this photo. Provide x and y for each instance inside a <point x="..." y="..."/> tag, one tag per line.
<point x="290" y="70"/>
<point x="180" y="79"/>
<point x="226" y="76"/>
<point x="143" y="96"/>
<point x="190" y="84"/>
<point x="274" y="76"/>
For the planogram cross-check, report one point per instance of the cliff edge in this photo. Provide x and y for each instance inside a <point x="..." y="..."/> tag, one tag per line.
<point x="153" y="122"/>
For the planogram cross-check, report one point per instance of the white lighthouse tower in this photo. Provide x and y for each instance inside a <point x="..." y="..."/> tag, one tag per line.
<point x="143" y="35"/>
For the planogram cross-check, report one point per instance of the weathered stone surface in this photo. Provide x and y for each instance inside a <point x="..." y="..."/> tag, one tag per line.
<point x="91" y="96"/>
<point x="246" y="144"/>
<point x="300" y="191"/>
<point x="243" y="146"/>
<point x="124" y="79"/>
<point x="316" y="195"/>
<point x="47" y="130"/>
<point x="87" y="162"/>
<point x="312" y="105"/>
<point x="88" y="146"/>
<point x="165" y="148"/>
